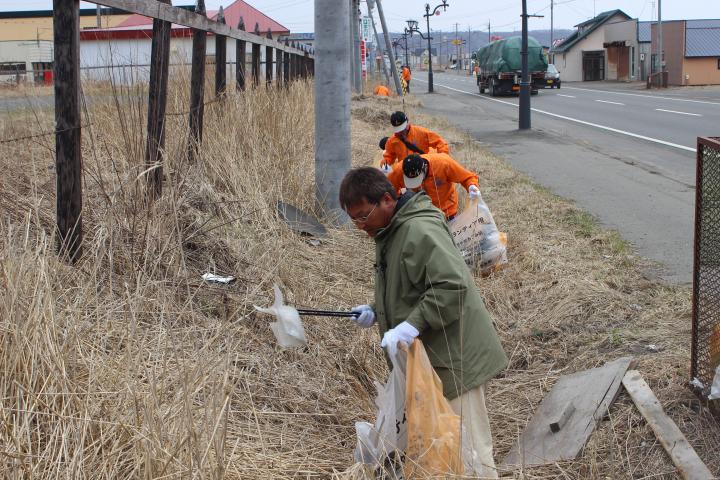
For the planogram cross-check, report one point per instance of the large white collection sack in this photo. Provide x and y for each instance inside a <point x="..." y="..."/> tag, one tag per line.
<point x="482" y="245"/>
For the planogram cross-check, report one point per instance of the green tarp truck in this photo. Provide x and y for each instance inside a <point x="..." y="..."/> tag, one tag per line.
<point x="500" y="66"/>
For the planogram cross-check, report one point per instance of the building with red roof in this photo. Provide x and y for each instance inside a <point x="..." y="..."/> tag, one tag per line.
<point x="123" y="51"/>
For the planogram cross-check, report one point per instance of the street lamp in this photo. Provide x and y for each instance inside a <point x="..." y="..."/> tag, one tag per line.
<point x="427" y="16"/>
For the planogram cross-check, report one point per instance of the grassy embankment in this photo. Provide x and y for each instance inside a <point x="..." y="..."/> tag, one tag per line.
<point x="129" y="365"/>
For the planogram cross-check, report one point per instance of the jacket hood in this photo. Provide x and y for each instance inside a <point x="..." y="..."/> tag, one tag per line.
<point x="418" y="206"/>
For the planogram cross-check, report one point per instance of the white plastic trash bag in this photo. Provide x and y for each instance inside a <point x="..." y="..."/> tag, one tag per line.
<point x="477" y="237"/>
<point x="288" y="330"/>
<point x="715" y="387"/>
<point x="388" y="437"/>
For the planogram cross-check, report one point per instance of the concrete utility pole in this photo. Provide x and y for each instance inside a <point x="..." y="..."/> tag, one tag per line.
<point x="332" y="103"/>
<point x="457" y="48"/>
<point x="524" y="116"/>
<point x="660" y="38"/>
<point x="371" y="5"/>
<point x="552" y="30"/>
<point x="489" y="33"/>
<point x="388" y="46"/>
<point x="99" y="17"/>
<point x="357" y="63"/>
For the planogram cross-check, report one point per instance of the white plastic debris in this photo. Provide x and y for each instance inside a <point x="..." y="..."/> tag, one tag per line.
<point x="697" y="384"/>
<point x="288" y="330"/>
<point x="652" y="347"/>
<point x="211" y="277"/>
<point x="715" y="387"/>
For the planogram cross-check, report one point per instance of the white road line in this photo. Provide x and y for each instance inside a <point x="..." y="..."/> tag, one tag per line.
<point x="614" y="103"/>
<point x="646" y="96"/>
<point x="568" y="96"/>
<point x="679" y="113"/>
<point x="582" y="122"/>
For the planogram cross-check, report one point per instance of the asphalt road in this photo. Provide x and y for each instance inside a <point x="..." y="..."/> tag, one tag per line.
<point x="623" y="154"/>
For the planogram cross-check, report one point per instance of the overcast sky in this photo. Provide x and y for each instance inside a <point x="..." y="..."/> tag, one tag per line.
<point x="297" y="15"/>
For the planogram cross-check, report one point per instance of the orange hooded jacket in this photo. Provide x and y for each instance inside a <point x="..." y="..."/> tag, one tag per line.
<point x="406" y="74"/>
<point x="424" y="139"/>
<point x="443" y="173"/>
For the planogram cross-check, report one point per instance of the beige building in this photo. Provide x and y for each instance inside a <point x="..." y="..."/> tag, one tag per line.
<point x="583" y="56"/>
<point x="26" y="41"/>
<point x="691" y="51"/>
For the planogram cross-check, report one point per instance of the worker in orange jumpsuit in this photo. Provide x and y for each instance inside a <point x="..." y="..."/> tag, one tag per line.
<point x="436" y="174"/>
<point x="382" y="91"/>
<point x="410" y="139"/>
<point x="407" y="76"/>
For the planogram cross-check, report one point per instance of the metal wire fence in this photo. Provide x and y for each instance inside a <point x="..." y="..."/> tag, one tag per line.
<point x="706" y="279"/>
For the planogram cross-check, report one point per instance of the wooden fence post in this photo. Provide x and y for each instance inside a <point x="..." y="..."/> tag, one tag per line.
<point x="197" y="86"/>
<point x="269" y="61"/>
<point x="293" y="62"/>
<point x="286" y="64"/>
<point x="157" y="103"/>
<point x="240" y="58"/>
<point x="256" y="58"/>
<point x="68" y="160"/>
<point x="278" y="66"/>
<point x="220" y="58"/>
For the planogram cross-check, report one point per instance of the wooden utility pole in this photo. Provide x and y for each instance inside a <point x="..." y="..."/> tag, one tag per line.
<point x="220" y="58"/>
<point x="68" y="159"/>
<point x="197" y="86"/>
<point x="157" y="104"/>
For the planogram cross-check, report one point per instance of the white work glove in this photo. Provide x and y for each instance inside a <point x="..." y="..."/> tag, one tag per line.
<point x="386" y="169"/>
<point x="404" y="333"/>
<point x="473" y="192"/>
<point x="365" y="317"/>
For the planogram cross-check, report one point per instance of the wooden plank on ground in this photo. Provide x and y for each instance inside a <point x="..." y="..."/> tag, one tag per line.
<point x="590" y="393"/>
<point x="672" y="439"/>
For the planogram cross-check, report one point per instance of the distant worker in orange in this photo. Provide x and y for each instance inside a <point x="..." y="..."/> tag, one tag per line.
<point x="382" y="91"/>
<point x="436" y="174"/>
<point x="410" y="139"/>
<point x="407" y="76"/>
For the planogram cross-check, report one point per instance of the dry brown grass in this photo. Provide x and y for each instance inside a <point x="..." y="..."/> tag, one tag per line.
<point x="129" y="366"/>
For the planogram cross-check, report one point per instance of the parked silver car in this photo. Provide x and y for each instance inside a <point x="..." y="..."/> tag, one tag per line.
<point x="552" y="77"/>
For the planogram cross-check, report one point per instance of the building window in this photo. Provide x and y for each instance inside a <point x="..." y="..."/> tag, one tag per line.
<point x="718" y="63"/>
<point x="632" y="61"/>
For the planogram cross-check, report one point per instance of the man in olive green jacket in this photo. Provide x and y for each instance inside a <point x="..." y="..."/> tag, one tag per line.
<point x="424" y="289"/>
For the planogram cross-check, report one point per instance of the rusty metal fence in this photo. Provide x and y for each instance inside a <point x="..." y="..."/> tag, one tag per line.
<point x="706" y="277"/>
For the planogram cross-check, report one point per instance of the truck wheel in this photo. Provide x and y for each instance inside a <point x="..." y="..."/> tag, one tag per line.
<point x="558" y="85"/>
<point x="482" y="89"/>
<point x="491" y="88"/>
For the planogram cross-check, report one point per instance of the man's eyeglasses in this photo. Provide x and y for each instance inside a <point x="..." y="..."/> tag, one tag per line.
<point x="363" y="220"/>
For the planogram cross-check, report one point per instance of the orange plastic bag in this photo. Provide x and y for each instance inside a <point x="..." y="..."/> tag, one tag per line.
<point x="433" y="429"/>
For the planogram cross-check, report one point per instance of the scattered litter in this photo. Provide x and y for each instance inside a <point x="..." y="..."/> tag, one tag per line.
<point x="715" y="387"/>
<point x="636" y="306"/>
<point x="212" y="278"/>
<point x="314" y="242"/>
<point x="653" y="348"/>
<point x="697" y="384"/>
<point x="288" y="330"/>
<point x="607" y="256"/>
